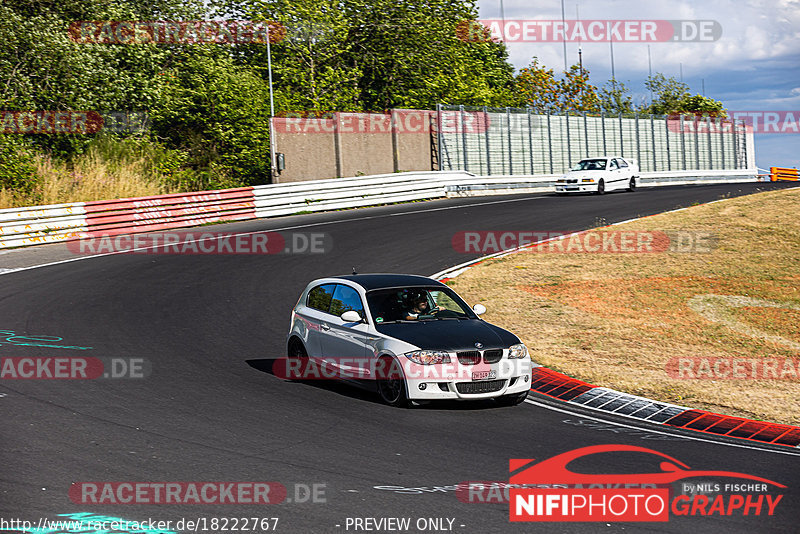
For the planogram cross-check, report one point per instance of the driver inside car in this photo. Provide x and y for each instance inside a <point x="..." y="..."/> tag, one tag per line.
<point x="420" y="306"/>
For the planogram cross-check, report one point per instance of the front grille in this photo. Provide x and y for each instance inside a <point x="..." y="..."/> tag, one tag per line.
<point x="469" y="357"/>
<point x="492" y="355"/>
<point x="486" y="386"/>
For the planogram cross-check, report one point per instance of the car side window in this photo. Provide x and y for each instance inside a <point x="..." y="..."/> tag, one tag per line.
<point x="614" y="164"/>
<point x="320" y="297"/>
<point x="622" y="163"/>
<point x="345" y="298"/>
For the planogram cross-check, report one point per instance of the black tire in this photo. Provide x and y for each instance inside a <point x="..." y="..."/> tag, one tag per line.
<point x="601" y="187"/>
<point x="632" y="184"/>
<point x="391" y="383"/>
<point x="297" y="352"/>
<point x="512" y="400"/>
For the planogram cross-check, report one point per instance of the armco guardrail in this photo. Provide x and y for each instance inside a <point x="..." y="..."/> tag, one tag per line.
<point x="783" y="173"/>
<point x="507" y="185"/>
<point x="63" y="222"/>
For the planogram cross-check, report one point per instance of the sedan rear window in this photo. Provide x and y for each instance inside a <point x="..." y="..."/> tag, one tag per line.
<point x="320" y="297"/>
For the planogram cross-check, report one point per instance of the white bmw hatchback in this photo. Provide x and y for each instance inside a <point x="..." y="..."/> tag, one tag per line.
<point x="598" y="175"/>
<point x="408" y="337"/>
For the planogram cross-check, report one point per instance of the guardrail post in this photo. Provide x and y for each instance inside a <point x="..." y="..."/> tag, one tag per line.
<point x="530" y="139"/>
<point x="744" y="145"/>
<point x="683" y="142"/>
<point x="638" y="147"/>
<point x="735" y="144"/>
<point x="439" y="136"/>
<point x="653" y="140"/>
<point x="488" y="151"/>
<point x="395" y="141"/>
<point x="669" y="155"/>
<point x="569" y="145"/>
<point x="696" y="145"/>
<point x="510" y="152"/>
<point x="337" y="144"/>
<point x="710" y="152"/>
<point x="550" y="140"/>
<point x="585" y="135"/>
<point x="621" y="137"/>
<point x="603" y="128"/>
<point x="720" y="124"/>
<point x="463" y="137"/>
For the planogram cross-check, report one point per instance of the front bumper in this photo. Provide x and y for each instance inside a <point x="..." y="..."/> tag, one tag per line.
<point x="576" y="188"/>
<point x="455" y="382"/>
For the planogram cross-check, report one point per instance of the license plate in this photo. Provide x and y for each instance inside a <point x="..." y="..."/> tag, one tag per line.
<point x="484" y="375"/>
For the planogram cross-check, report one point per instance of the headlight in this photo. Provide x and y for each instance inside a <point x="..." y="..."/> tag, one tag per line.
<point x="588" y="180"/>
<point x="517" y="351"/>
<point x="561" y="180"/>
<point x="428" y="357"/>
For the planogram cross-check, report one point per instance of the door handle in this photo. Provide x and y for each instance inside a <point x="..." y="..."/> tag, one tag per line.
<point x="324" y="326"/>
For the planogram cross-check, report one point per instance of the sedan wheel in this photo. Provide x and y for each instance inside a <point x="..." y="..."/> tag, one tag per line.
<point x="601" y="187"/>
<point x="632" y="184"/>
<point x="297" y="360"/>
<point x="391" y="384"/>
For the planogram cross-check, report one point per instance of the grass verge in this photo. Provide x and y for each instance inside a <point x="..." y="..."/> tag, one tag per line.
<point x="625" y="320"/>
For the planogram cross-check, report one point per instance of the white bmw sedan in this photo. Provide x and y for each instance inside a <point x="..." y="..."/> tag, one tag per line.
<point x="598" y="175"/>
<point x="408" y="337"/>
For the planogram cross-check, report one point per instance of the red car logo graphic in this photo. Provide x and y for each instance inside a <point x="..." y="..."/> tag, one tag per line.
<point x="554" y="470"/>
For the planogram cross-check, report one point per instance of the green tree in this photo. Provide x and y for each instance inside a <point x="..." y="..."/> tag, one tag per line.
<point x="217" y="112"/>
<point x="374" y="55"/>
<point x="701" y="105"/>
<point x="669" y="94"/>
<point x="673" y="97"/>
<point x="615" y="97"/>
<point x="538" y="86"/>
<point x="576" y="93"/>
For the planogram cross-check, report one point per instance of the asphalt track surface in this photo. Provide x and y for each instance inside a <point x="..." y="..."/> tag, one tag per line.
<point x="212" y="411"/>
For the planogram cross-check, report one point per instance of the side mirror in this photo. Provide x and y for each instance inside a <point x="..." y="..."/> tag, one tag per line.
<point x="351" y="317"/>
<point x="479" y="309"/>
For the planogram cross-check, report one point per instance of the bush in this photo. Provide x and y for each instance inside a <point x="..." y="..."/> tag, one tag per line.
<point x="17" y="169"/>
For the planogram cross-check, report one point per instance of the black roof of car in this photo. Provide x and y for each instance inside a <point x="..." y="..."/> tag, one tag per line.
<point x="379" y="281"/>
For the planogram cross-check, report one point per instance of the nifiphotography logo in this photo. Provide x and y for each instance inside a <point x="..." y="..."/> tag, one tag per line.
<point x="611" y="497"/>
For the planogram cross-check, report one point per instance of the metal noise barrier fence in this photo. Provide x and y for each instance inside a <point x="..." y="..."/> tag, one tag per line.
<point x="63" y="222"/>
<point x="510" y="141"/>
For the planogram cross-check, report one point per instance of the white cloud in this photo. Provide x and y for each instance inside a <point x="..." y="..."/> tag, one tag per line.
<point x="751" y="31"/>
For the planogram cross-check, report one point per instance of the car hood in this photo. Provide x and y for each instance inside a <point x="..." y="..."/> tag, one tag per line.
<point x="450" y="335"/>
<point x="585" y="174"/>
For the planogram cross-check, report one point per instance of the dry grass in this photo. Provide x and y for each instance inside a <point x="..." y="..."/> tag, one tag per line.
<point x="617" y="319"/>
<point x="91" y="177"/>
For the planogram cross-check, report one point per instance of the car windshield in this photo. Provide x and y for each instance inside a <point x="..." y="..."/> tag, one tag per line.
<point x="590" y="165"/>
<point x="416" y="304"/>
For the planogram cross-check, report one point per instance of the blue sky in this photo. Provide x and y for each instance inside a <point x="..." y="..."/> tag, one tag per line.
<point x="754" y="66"/>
